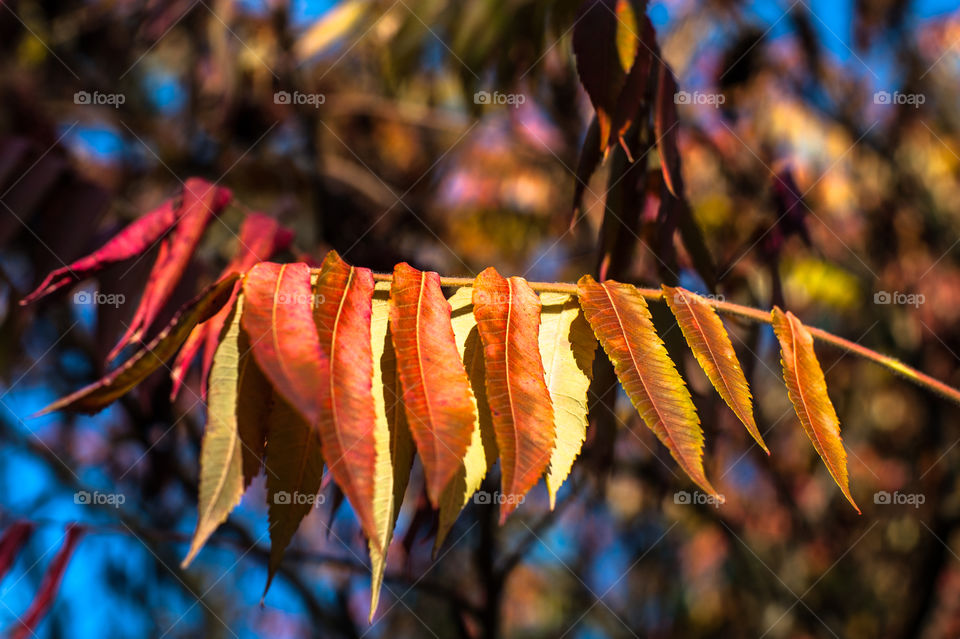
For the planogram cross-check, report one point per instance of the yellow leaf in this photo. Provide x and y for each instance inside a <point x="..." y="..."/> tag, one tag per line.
<point x="567" y="347"/>
<point x="394" y="446"/>
<point x="233" y="439"/>
<point x="708" y="339"/>
<point x="807" y="388"/>
<point x="482" y="451"/>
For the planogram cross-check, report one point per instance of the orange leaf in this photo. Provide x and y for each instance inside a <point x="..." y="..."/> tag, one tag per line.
<point x="508" y="320"/>
<point x="342" y="317"/>
<point x="621" y="321"/>
<point x="278" y="318"/>
<point x="708" y="339"/>
<point x="807" y="388"/>
<point x="436" y="391"/>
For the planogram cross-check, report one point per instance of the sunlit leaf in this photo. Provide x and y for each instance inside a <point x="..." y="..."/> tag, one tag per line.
<point x="436" y="391"/>
<point x="482" y="451"/>
<point x="621" y="321"/>
<point x="567" y="346"/>
<point x="394" y="445"/>
<point x="278" y="318"/>
<point x="708" y="339"/>
<point x="342" y="319"/>
<point x="807" y="388"/>
<point x="508" y="319"/>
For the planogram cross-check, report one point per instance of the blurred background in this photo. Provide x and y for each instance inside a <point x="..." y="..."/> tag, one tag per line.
<point x="819" y="142"/>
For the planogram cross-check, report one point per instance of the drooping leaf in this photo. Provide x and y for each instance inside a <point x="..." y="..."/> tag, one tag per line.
<point x="278" y="318"/>
<point x="342" y="318"/>
<point x="232" y="447"/>
<point x="482" y="452"/>
<point x="394" y="444"/>
<point x="508" y="320"/>
<point x="665" y="122"/>
<point x="261" y="237"/>
<point x="634" y="92"/>
<point x="606" y="43"/>
<point x="96" y="396"/>
<point x="567" y="347"/>
<point x="708" y="339"/>
<point x="436" y="391"/>
<point x="26" y="624"/>
<point x="201" y="201"/>
<point x="807" y="389"/>
<point x="133" y="240"/>
<point x="15" y="537"/>
<point x="294" y="466"/>
<point x="621" y="321"/>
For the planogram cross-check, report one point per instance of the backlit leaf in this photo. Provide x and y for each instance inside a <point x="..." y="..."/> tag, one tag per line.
<point x="342" y="317"/>
<point x="807" y="388"/>
<point x="436" y="391"/>
<point x="708" y="339"/>
<point x="393" y="442"/>
<point x="232" y="447"/>
<point x="482" y="451"/>
<point x="278" y="318"/>
<point x="508" y="319"/>
<point x="621" y="321"/>
<point x="96" y="396"/>
<point x="567" y="346"/>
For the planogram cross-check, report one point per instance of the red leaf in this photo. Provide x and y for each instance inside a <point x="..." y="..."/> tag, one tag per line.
<point x="14" y="538"/>
<point x="508" y="320"/>
<point x="278" y="318"/>
<point x="48" y="587"/>
<point x="436" y="391"/>
<point x="133" y="240"/>
<point x="665" y="129"/>
<point x="261" y="237"/>
<point x="598" y="65"/>
<point x="635" y="85"/>
<point x="201" y="201"/>
<point x="342" y="316"/>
